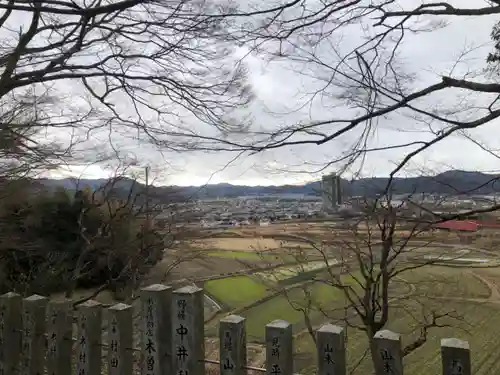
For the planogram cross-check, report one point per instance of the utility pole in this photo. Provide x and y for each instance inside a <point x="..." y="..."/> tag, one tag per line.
<point x="147" y="195"/>
<point x="145" y="226"/>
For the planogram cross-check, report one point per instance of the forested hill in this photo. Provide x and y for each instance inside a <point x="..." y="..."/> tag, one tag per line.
<point x="451" y="182"/>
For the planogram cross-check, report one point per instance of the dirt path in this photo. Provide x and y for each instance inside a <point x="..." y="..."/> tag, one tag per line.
<point x="494" y="297"/>
<point x="494" y="292"/>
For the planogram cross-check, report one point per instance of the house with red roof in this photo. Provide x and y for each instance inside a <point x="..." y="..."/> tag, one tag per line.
<point x="465" y="225"/>
<point x="458" y="225"/>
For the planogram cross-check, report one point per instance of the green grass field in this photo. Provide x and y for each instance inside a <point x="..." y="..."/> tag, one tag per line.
<point x="239" y="291"/>
<point x="287" y="307"/>
<point x="236" y="291"/>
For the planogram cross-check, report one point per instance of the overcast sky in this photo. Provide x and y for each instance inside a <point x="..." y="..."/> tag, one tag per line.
<point x="279" y="88"/>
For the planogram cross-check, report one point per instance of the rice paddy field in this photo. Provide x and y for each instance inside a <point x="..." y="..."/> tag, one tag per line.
<point x="287" y="272"/>
<point x="238" y="291"/>
<point x="416" y="295"/>
<point x="479" y="326"/>
<point x="469" y="294"/>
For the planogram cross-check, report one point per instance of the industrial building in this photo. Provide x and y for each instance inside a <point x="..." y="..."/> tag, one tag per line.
<point x="331" y="192"/>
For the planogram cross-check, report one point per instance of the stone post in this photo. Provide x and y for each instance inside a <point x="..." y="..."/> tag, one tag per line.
<point x="88" y="352"/>
<point x="10" y="333"/>
<point x="59" y="338"/>
<point x="33" y="336"/>
<point x="232" y="346"/>
<point x="188" y="344"/>
<point x="279" y="348"/>
<point x="120" y="340"/>
<point x="156" y="338"/>
<point x="455" y="357"/>
<point x="330" y="346"/>
<point x="389" y="360"/>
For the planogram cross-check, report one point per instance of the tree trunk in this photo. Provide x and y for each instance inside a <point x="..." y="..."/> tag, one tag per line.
<point x="373" y="350"/>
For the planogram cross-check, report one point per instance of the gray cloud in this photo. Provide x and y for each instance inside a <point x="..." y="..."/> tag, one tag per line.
<point x="284" y="96"/>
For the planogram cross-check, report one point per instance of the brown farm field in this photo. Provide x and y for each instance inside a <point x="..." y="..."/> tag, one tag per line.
<point x="221" y="249"/>
<point x="246" y="244"/>
<point x="237" y="244"/>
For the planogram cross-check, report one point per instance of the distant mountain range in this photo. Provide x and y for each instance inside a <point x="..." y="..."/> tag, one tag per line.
<point x="452" y="182"/>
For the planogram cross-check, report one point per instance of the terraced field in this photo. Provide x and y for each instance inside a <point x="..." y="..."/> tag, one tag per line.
<point x="436" y="289"/>
<point x="469" y="294"/>
<point x="480" y="326"/>
<point x="286" y="272"/>
<point x="445" y="282"/>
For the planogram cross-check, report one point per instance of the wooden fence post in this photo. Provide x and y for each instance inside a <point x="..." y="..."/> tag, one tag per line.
<point x="389" y="359"/>
<point x="330" y="346"/>
<point x="33" y="337"/>
<point x="279" y="348"/>
<point x="10" y="333"/>
<point x="88" y="353"/>
<point x="120" y="340"/>
<point x="455" y="357"/>
<point x="188" y="344"/>
<point x="156" y="338"/>
<point x="232" y="345"/>
<point x="60" y="336"/>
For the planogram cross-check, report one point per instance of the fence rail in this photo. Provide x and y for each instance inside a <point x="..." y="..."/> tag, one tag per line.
<point x="36" y="337"/>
